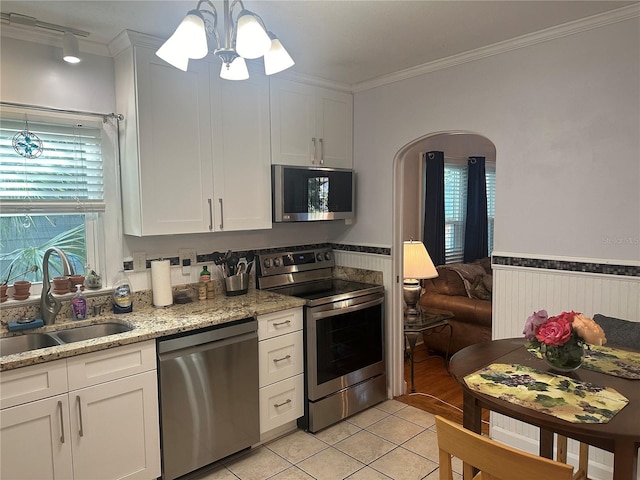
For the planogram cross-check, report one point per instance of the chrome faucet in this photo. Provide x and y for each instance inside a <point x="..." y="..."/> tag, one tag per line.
<point x="49" y="305"/>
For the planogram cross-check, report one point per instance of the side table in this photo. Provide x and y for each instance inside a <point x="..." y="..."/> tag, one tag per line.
<point x="431" y="321"/>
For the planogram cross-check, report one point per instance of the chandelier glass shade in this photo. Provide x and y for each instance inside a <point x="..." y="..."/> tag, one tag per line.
<point x="246" y="37"/>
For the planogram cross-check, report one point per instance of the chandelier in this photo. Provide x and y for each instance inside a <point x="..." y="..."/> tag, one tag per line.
<point x="246" y="37"/>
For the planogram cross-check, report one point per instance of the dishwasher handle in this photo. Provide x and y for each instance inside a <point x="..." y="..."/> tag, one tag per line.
<point x="207" y="336"/>
<point x="202" y="347"/>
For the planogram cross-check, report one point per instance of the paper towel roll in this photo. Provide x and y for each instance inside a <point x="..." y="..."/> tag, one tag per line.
<point x="161" y="283"/>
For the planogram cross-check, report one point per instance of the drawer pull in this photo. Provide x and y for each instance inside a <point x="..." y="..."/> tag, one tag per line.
<point x="278" y="405"/>
<point x="286" y="322"/>
<point x="276" y="360"/>
<point x="81" y="431"/>
<point x="61" y="422"/>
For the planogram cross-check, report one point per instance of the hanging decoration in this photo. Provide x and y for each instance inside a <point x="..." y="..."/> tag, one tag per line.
<point x="27" y="143"/>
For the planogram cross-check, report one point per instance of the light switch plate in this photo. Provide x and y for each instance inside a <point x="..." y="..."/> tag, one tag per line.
<point x="190" y="255"/>
<point x="139" y="261"/>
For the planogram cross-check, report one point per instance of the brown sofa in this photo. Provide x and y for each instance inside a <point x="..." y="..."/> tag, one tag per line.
<point x="465" y="290"/>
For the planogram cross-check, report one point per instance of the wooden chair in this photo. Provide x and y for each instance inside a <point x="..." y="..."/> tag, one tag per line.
<point x="583" y="462"/>
<point x="494" y="460"/>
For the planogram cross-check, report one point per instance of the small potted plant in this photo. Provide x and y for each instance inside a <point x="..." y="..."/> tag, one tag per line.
<point x="93" y="281"/>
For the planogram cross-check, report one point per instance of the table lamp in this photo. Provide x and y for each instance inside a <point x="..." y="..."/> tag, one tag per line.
<point x="417" y="265"/>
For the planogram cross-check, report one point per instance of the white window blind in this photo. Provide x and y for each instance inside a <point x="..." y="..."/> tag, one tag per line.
<point x="455" y="210"/>
<point x="491" y="202"/>
<point x="66" y="178"/>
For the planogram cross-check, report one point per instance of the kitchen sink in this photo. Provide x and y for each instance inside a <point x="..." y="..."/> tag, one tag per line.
<point x="26" y="342"/>
<point x="77" y="334"/>
<point x="33" y="341"/>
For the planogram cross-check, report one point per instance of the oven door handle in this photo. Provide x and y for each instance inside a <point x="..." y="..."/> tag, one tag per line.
<point x="342" y="310"/>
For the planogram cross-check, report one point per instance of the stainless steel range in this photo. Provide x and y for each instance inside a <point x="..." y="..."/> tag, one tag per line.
<point x="343" y="331"/>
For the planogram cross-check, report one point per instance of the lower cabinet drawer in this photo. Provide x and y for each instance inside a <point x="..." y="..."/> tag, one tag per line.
<point x="280" y="357"/>
<point x="281" y="402"/>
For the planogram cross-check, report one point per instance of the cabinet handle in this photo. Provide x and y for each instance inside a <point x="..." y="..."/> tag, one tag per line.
<point x="210" y="214"/>
<point x="221" y="215"/>
<point x="278" y="405"/>
<point x="79" y="403"/>
<point x="321" y="151"/>
<point x="286" y="322"/>
<point x="61" y="422"/>
<point x="276" y="360"/>
<point x="315" y="150"/>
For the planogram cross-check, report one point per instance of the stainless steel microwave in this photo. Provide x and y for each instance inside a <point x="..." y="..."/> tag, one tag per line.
<point x="307" y="194"/>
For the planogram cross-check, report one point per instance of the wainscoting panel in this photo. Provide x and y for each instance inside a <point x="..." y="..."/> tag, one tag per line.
<point x="519" y="291"/>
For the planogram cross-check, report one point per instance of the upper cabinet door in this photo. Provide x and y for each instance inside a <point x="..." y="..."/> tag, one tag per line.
<point x="334" y="116"/>
<point x="310" y="126"/>
<point x="241" y="152"/>
<point x="166" y="170"/>
<point x="293" y="123"/>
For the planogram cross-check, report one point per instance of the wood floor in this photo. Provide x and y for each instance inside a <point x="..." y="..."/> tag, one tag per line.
<point x="436" y="391"/>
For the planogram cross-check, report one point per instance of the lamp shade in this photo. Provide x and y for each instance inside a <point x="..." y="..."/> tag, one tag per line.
<point x="417" y="263"/>
<point x="277" y="58"/>
<point x="252" y="40"/>
<point x="188" y="41"/>
<point x="70" y="48"/>
<point x="236" y="70"/>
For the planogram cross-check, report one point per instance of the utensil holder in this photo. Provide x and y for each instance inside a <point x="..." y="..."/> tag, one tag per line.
<point x="236" y="284"/>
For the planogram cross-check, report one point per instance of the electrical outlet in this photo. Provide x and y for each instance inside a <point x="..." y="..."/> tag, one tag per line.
<point x="139" y="261"/>
<point x="190" y="255"/>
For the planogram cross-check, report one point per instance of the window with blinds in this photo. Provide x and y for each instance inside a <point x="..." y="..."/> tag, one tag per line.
<point x="52" y="200"/>
<point x="66" y="177"/>
<point x="455" y="208"/>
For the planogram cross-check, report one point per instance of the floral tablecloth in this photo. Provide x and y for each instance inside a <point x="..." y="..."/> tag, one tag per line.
<point x="612" y="361"/>
<point x="562" y="397"/>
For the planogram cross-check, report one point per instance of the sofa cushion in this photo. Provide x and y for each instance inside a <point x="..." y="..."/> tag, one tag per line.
<point x="622" y="333"/>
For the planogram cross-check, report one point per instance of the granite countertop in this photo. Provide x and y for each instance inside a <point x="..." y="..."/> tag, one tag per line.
<point x="149" y="322"/>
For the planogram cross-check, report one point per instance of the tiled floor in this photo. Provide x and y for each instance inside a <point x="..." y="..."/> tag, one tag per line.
<point x="389" y="441"/>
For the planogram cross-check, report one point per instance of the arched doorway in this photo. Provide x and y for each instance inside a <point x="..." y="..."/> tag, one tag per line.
<point x="407" y="221"/>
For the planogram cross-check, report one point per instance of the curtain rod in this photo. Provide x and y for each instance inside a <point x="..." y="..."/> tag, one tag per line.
<point x="117" y="116"/>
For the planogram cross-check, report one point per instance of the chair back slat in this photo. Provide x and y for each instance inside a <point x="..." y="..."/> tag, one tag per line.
<point x="495" y="460"/>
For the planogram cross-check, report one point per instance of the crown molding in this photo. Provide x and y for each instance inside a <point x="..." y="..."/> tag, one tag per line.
<point x="551" y="33"/>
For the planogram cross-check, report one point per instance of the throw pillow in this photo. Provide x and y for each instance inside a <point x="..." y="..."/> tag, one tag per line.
<point x="622" y="333"/>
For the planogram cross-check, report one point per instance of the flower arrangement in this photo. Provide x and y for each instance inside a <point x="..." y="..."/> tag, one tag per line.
<point x="561" y="338"/>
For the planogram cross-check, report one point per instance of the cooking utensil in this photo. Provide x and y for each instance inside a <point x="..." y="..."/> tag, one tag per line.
<point x="232" y="263"/>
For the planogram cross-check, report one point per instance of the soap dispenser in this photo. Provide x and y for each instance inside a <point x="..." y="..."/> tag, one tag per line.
<point x="79" y="305"/>
<point x="122" y="298"/>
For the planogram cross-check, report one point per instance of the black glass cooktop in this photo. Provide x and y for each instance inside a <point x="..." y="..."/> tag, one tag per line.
<point x="329" y="290"/>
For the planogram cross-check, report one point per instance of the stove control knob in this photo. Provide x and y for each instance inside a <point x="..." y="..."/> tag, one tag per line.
<point x="267" y="263"/>
<point x="327" y="256"/>
<point x="319" y="257"/>
<point x="277" y="262"/>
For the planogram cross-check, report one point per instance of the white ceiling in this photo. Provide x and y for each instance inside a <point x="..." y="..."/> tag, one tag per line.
<point x="347" y="41"/>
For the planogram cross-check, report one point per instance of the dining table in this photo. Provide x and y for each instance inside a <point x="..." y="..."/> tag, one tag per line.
<point x="619" y="435"/>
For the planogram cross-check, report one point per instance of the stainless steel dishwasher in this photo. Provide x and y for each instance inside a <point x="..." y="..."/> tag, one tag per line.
<point x="209" y="404"/>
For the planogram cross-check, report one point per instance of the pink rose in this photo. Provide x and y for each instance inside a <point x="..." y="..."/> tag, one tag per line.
<point x="533" y="322"/>
<point x="555" y="332"/>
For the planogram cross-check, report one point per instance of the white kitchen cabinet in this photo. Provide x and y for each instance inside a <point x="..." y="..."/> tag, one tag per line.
<point x="195" y="152"/>
<point x="166" y="169"/>
<point x="241" y="152"/>
<point x="310" y="126"/>
<point x="109" y="410"/>
<point x="281" y="370"/>
<point x="35" y="441"/>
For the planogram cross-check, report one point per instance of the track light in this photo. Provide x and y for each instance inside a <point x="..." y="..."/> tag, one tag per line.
<point x="246" y="37"/>
<point x="70" y="48"/>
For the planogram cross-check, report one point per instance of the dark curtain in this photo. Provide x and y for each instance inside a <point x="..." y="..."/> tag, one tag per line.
<point x="475" y="235"/>
<point x="433" y="234"/>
